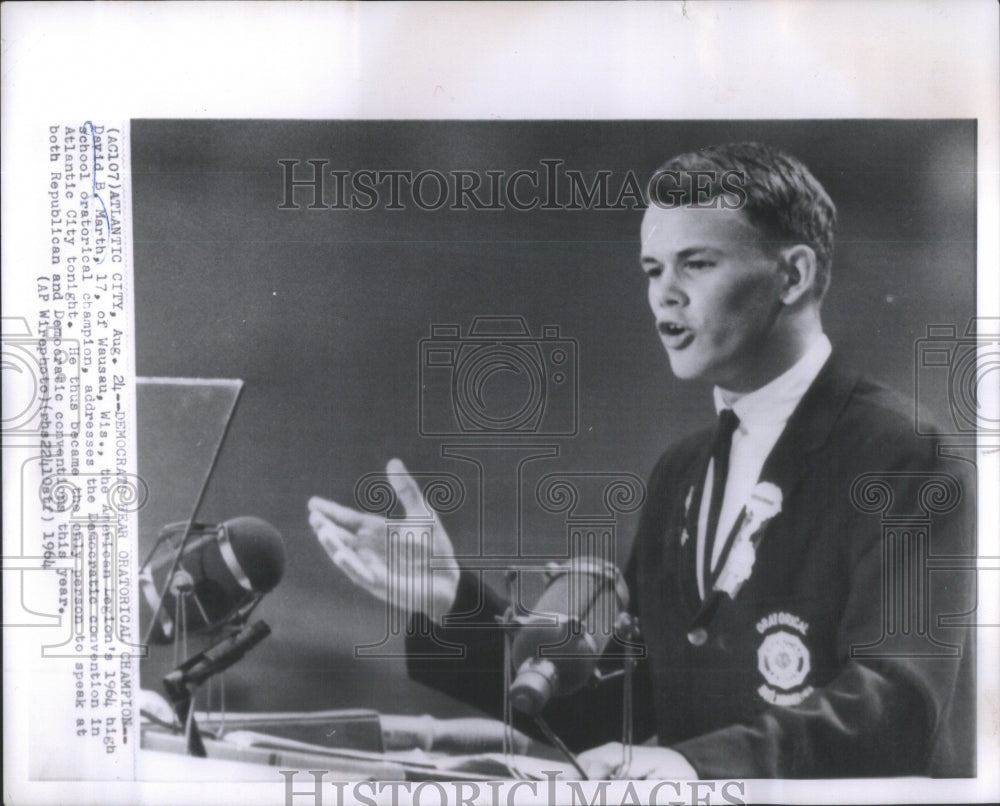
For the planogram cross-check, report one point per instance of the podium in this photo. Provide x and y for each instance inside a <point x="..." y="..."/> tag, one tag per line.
<point x="401" y="748"/>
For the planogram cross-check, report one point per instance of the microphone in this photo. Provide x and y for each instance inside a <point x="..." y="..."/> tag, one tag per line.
<point x="555" y="652"/>
<point x="179" y="684"/>
<point x="216" y="659"/>
<point x="224" y="571"/>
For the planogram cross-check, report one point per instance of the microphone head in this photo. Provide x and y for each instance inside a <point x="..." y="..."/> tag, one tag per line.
<point x="258" y="549"/>
<point x="223" y="569"/>
<point x="537" y="680"/>
<point x="556" y="650"/>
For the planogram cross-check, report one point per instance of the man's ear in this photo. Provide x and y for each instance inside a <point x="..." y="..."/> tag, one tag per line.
<point x="797" y="265"/>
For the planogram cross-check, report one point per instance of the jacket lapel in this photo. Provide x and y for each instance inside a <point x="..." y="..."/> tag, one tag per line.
<point x="809" y="426"/>
<point x="686" y="527"/>
<point x="788" y="463"/>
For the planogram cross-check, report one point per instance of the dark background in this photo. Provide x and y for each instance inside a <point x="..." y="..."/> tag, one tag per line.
<point x="321" y="313"/>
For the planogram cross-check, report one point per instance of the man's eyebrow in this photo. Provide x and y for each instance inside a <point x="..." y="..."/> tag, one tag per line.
<point x="694" y="250"/>
<point x="682" y="255"/>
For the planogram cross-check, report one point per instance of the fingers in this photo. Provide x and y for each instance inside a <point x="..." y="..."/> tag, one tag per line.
<point x="331" y="533"/>
<point x="359" y="544"/>
<point x="338" y="543"/>
<point x="356" y="570"/>
<point x="600" y="762"/>
<point x="604" y="762"/>
<point x="406" y="488"/>
<point x="344" y="516"/>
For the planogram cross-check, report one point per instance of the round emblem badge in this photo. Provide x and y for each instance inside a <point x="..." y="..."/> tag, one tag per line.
<point x="783" y="660"/>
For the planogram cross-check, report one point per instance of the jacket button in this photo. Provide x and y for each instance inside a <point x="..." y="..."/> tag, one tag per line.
<point x="698" y="636"/>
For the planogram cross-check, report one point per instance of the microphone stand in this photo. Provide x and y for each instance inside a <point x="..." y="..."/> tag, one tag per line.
<point x="181" y="684"/>
<point x="628" y="627"/>
<point x="508" y="624"/>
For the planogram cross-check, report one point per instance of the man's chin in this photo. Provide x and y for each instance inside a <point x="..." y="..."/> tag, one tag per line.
<point x="685" y="370"/>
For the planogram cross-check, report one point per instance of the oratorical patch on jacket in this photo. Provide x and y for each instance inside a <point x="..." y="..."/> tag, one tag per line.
<point x="783" y="659"/>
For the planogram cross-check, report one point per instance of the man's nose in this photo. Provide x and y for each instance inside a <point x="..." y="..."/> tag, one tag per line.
<point x="666" y="291"/>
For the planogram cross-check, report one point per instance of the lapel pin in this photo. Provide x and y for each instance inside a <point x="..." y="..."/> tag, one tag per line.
<point x="687" y="507"/>
<point x="764" y="504"/>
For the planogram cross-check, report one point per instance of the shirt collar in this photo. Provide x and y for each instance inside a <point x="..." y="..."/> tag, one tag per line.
<point x="775" y="401"/>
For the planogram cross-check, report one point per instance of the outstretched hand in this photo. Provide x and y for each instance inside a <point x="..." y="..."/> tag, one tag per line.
<point x="394" y="566"/>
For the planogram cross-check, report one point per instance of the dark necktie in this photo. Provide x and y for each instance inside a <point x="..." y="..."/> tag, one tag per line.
<point x="720" y="470"/>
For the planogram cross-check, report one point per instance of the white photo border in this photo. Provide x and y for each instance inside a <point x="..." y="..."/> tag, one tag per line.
<point x="497" y="61"/>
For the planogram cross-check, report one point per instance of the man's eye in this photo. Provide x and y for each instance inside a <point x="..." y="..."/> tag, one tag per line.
<point x="697" y="264"/>
<point x="653" y="271"/>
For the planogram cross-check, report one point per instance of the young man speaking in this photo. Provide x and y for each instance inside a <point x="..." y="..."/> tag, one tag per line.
<point x="781" y="639"/>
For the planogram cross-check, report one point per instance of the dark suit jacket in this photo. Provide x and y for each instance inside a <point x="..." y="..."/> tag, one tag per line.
<point x="836" y="658"/>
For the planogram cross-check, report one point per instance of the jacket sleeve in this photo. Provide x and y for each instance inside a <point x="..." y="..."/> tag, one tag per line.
<point x="464" y="656"/>
<point x="904" y="700"/>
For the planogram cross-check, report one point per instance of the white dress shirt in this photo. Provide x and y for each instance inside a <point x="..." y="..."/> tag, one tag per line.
<point x="763" y="414"/>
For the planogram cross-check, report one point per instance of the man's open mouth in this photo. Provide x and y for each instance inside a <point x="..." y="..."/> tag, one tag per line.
<point x="675" y="335"/>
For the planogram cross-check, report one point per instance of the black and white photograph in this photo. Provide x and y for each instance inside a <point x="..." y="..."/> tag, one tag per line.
<point x="607" y="456"/>
<point x="451" y="372"/>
